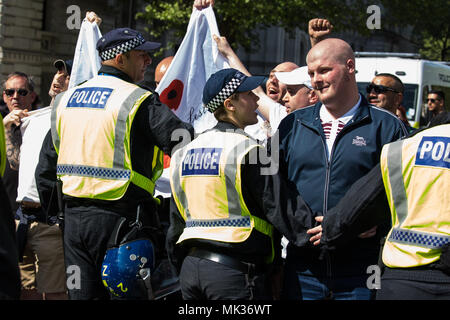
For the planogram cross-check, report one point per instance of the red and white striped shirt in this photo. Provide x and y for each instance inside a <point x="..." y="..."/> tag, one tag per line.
<point x="332" y="126"/>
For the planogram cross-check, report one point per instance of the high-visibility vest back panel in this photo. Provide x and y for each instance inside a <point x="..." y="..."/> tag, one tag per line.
<point x="206" y="186"/>
<point x="91" y="127"/>
<point x="416" y="175"/>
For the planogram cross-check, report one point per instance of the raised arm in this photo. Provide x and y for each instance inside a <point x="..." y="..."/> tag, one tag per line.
<point x="264" y="102"/>
<point x="202" y="4"/>
<point x="318" y="29"/>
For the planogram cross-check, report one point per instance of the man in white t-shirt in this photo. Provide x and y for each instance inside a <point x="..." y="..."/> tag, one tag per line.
<point x="277" y="102"/>
<point x="41" y="256"/>
<point x="272" y="98"/>
<point x="299" y="94"/>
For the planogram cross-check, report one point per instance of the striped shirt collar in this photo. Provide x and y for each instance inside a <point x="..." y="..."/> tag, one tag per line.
<point x="325" y="115"/>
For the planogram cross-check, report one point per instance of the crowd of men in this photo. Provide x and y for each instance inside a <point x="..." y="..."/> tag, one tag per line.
<point x="238" y="228"/>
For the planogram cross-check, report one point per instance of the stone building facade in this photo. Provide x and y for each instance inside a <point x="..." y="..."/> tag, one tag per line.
<point x="34" y="33"/>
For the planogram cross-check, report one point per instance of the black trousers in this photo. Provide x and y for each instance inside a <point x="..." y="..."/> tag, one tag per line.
<point x="86" y="234"/>
<point x="403" y="284"/>
<point x="202" y="279"/>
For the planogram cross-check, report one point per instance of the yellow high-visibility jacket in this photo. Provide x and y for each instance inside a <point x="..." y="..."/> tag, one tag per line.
<point x="206" y="186"/>
<point x="91" y="127"/>
<point x="416" y="175"/>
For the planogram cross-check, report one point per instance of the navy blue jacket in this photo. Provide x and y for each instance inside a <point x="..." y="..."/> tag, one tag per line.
<point x="357" y="148"/>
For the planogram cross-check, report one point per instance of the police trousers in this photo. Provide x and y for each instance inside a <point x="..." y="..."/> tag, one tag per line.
<point x="203" y="279"/>
<point x="414" y="284"/>
<point x="86" y="234"/>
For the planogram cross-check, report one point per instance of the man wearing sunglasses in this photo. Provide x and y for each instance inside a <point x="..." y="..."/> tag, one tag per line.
<point x="19" y="96"/>
<point x="436" y="102"/>
<point x="386" y="92"/>
<point x="40" y="247"/>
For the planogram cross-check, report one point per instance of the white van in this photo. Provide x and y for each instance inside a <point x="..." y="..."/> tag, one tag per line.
<point x="418" y="76"/>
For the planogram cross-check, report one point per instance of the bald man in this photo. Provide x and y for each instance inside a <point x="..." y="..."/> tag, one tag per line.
<point x="274" y="88"/>
<point x="324" y="149"/>
<point x="270" y="103"/>
<point x="161" y="69"/>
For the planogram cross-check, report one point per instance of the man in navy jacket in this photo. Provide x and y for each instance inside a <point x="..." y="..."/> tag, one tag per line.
<point x="324" y="149"/>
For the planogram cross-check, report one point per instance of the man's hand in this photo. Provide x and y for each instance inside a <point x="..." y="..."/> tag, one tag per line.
<point x="14" y="117"/>
<point x="316" y="232"/>
<point x="91" y="16"/>
<point x="202" y="4"/>
<point x="223" y="46"/>
<point x="318" y="29"/>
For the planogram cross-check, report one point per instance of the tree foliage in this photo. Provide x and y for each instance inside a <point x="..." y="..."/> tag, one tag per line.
<point x="239" y="20"/>
<point x="430" y="22"/>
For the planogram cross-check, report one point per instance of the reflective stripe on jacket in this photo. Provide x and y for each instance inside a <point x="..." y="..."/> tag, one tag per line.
<point x="206" y="186"/>
<point x="416" y="175"/>
<point x="91" y="127"/>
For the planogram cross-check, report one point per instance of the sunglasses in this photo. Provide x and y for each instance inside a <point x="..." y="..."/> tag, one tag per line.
<point x="379" y="89"/>
<point x="433" y="100"/>
<point x="21" y="92"/>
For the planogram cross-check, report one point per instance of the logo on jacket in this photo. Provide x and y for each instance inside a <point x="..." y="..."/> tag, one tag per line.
<point x="89" y="98"/>
<point x="434" y="152"/>
<point x="359" y="141"/>
<point x="201" y="162"/>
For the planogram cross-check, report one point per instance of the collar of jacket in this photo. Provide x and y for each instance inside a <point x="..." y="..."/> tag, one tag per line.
<point x="223" y="126"/>
<point x="226" y="126"/>
<point x="115" y="72"/>
<point x="313" y="118"/>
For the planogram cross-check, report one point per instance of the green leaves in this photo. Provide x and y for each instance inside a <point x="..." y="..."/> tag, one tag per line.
<point x="238" y="20"/>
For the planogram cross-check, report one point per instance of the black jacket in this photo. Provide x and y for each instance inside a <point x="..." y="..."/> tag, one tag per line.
<point x="322" y="181"/>
<point x="9" y="268"/>
<point x="266" y="196"/>
<point x="153" y="124"/>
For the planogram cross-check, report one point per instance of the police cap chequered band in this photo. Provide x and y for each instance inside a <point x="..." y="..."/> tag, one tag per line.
<point x="226" y="92"/>
<point x="111" y="53"/>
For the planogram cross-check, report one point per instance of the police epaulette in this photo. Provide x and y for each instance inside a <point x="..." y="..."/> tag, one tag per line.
<point x="81" y="83"/>
<point x="146" y="88"/>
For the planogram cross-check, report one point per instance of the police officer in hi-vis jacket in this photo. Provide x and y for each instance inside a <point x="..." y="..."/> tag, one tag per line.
<point x="106" y="145"/>
<point x="219" y="217"/>
<point x="412" y="182"/>
<point x="220" y="237"/>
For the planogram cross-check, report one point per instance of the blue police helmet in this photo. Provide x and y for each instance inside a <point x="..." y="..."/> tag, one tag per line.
<point x="124" y="267"/>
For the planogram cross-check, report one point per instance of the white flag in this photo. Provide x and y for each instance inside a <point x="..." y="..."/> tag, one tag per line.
<point x="196" y="60"/>
<point x="86" y="60"/>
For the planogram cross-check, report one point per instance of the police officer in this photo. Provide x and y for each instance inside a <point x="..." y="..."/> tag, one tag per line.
<point x="219" y="235"/>
<point x="415" y="176"/>
<point x="105" y="145"/>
